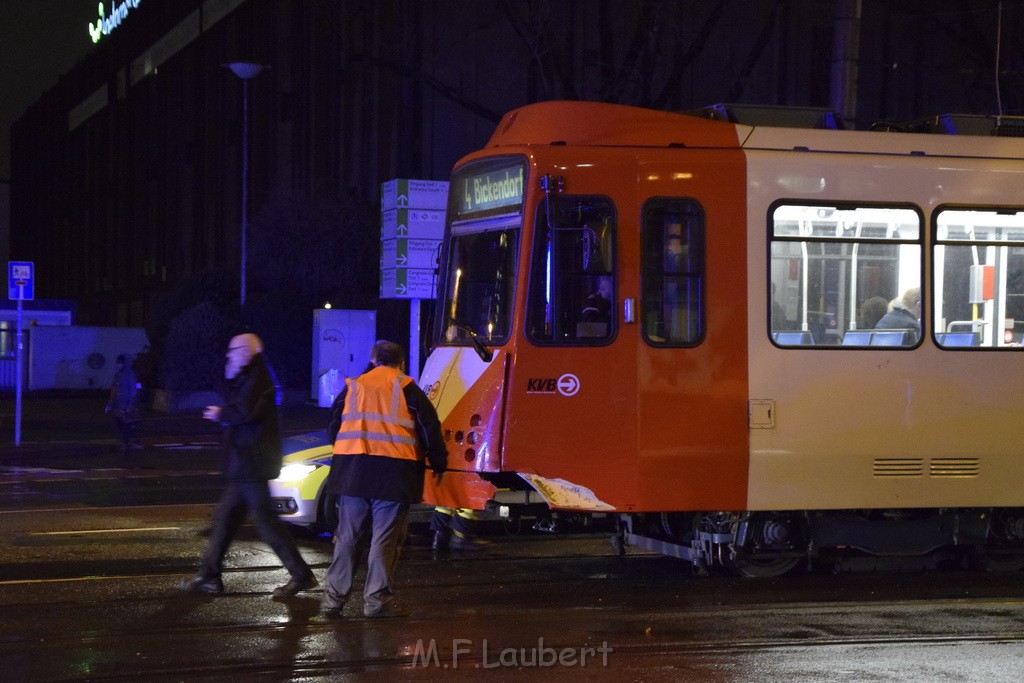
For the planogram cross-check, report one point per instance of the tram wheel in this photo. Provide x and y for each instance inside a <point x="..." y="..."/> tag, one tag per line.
<point x="1006" y="533"/>
<point x="764" y="568"/>
<point x="677" y="526"/>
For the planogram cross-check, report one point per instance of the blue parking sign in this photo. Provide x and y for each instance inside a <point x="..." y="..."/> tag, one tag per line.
<point x="20" y="285"/>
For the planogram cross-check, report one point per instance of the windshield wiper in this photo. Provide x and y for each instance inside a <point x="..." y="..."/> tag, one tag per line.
<point x="485" y="353"/>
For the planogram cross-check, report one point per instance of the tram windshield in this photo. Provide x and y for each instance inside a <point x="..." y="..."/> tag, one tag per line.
<point x="485" y="220"/>
<point x="481" y="278"/>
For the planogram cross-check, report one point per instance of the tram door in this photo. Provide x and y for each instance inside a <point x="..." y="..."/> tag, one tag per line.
<point x="691" y="361"/>
<point x="570" y="409"/>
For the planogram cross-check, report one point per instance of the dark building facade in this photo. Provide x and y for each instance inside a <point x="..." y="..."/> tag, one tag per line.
<point x="126" y="176"/>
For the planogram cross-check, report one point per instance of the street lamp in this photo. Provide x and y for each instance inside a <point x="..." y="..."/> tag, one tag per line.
<point x="246" y="71"/>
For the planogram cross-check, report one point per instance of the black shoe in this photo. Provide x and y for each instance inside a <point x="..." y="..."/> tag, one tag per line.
<point x="199" y="584"/>
<point x="441" y="541"/>
<point x="295" y="585"/>
<point x="387" y="611"/>
<point x="327" y="615"/>
<point x="468" y="543"/>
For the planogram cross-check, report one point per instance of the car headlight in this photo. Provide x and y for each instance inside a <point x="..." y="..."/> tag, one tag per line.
<point x="296" y="471"/>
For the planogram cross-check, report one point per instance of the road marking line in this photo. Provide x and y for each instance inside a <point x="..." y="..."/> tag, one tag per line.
<point x="104" y="531"/>
<point x="34" y="511"/>
<point x="144" y="474"/>
<point x="14" y="582"/>
<point x="35" y="470"/>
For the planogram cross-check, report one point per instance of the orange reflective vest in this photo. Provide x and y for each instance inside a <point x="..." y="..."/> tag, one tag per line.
<point x="376" y="420"/>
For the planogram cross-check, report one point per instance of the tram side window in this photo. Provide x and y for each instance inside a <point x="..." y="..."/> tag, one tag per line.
<point x="845" y="276"/>
<point x="673" y="272"/>
<point x="979" y="278"/>
<point x="572" y="276"/>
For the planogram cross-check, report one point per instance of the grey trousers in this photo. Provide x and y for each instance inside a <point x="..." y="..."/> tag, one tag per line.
<point x="388" y="522"/>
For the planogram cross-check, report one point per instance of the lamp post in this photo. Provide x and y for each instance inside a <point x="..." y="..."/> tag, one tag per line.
<point x="246" y="71"/>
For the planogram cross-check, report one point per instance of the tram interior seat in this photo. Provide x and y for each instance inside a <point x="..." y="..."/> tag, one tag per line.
<point x="888" y="338"/>
<point x="875" y="338"/>
<point x="957" y="338"/>
<point x="857" y="338"/>
<point x="798" y="338"/>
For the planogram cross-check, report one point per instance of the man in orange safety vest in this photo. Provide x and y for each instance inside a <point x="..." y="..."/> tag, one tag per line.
<point x="382" y="427"/>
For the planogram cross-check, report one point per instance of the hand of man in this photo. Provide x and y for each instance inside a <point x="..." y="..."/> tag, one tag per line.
<point x="437" y="474"/>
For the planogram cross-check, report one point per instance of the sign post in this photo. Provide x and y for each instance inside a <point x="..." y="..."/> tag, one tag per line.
<point x="20" y="287"/>
<point x="412" y="227"/>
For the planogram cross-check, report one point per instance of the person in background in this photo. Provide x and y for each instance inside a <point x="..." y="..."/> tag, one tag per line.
<point x="779" y="320"/>
<point x="871" y="311"/>
<point x="124" y="403"/>
<point x="905" y="314"/>
<point x="252" y="457"/>
<point x="455" y="529"/>
<point x="597" y="306"/>
<point x="144" y="367"/>
<point x="382" y="426"/>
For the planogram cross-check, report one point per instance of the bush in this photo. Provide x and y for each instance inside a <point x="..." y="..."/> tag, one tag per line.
<point x="193" y="355"/>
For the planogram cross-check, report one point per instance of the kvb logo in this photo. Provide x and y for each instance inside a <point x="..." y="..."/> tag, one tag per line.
<point x="566" y="385"/>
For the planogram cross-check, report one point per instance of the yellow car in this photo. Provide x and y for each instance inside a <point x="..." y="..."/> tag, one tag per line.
<point x="297" y="494"/>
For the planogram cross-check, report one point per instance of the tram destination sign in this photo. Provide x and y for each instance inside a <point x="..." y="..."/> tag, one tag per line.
<point x="489" y="192"/>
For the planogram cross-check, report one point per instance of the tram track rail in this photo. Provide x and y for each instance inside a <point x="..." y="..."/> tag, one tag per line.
<point x="637" y="648"/>
<point x="648" y="609"/>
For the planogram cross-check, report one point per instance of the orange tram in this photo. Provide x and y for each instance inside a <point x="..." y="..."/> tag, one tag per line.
<point x="755" y="346"/>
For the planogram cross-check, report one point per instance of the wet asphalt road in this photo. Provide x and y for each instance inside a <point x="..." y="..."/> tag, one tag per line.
<point x="90" y="561"/>
<point x="90" y="556"/>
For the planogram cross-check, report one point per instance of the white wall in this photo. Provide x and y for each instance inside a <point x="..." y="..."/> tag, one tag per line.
<point x="71" y="357"/>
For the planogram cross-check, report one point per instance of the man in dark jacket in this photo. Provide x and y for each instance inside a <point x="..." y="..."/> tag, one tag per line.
<point x="252" y="456"/>
<point x="382" y="426"/>
<point x="124" y="404"/>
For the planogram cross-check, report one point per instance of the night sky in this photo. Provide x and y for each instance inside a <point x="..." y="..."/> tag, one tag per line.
<point x="39" y="41"/>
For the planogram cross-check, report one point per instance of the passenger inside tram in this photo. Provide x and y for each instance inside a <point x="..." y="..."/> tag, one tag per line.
<point x="904" y="314"/>
<point x="871" y="311"/>
<point x="779" y="319"/>
<point x="597" y="306"/>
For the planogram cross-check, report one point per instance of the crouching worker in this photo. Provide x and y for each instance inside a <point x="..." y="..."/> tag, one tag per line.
<point x="455" y="529"/>
<point x="252" y="457"/>
<point x="382" y="426"/>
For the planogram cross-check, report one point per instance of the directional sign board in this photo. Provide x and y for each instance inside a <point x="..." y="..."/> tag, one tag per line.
<point x="20" y="283"/>
<point x="411" y="232"/>
<point x="419" y="223"/>
<point x="409" y="193"/>
<point x="406" y="253"/>
<point x="407" y="283"/>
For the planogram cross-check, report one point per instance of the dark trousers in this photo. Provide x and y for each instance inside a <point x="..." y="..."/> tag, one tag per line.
<point x="254" y="498"/>
<point x="388" y="524"/>
<point x="129" y="440"/>
<point x="459" y="522"/>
